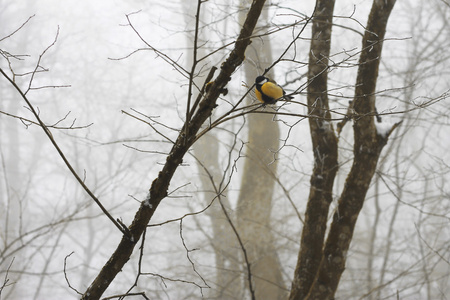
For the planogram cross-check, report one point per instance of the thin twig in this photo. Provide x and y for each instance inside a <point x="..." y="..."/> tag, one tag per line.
<point x="164" y="56"/>
<point x="6" y="280"/>
<point x="126" y="295"/>
<point x="54" y="126"/>
<point x="189" y="113"/>
<point x="65" y="274"/>
<point x="149" y="124"/>
<point x="20" y="27"/>
<point x="189" y="258"/>
<point x="124" y="230"/>
<point x="235" y="231"/>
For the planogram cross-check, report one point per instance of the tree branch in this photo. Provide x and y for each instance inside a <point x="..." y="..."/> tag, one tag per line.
<point x="124" y="230"/>
<point x="159" y="187"/>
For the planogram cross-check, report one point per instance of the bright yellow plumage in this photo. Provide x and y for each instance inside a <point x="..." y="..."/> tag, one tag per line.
<point x="268" y="91"/>
<point x="272" y="90"/>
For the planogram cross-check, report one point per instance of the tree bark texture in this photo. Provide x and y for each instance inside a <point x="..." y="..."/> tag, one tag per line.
<point x="160" y="185"/>
<point x="324" y="143"/>
<point x="367" y="148"/>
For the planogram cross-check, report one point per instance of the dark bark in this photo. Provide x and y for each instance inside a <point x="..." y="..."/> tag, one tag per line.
<point x="160" y="185"/>
<point x="324" y="143"/>
<point x="367" y="148"/>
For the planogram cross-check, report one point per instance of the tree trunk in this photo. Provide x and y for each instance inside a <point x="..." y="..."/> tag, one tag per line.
<point x="324" y="143"/>
<point x="367" y="148"/>
<point x="227" y="282"/>
<point x="258" y="183"/>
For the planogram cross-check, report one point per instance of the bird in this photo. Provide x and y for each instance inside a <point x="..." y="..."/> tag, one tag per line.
<point x="268" y="91"/>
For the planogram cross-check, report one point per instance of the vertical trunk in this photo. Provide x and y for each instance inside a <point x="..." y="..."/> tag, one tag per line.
<point x="255" y="206"/>
<point x="324" y="145"/>
<point x="227" y="282"/>
<point x="255" y="198"/>
<point x="367" y="148"/>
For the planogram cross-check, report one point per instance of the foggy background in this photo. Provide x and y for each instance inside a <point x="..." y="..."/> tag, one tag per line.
<point x="93" y="73"/>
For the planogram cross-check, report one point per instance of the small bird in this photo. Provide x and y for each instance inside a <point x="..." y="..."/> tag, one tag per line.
<point x="268" y="91"/>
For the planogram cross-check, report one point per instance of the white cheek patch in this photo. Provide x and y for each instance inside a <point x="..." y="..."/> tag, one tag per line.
<point x="262" y="81"/>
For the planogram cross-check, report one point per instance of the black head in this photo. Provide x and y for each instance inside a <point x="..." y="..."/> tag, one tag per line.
<point x="261" y="80"/>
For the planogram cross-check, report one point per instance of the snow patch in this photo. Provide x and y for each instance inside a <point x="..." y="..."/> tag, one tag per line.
<point x="383" y="128"/>
<point x="147" y="203"/>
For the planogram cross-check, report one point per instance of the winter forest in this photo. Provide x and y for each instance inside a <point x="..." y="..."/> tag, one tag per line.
<point x="136" y="161"/>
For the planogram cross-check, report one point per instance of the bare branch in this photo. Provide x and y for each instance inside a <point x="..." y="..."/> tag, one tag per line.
<point x="151" y="125"/>
<point x="193" y="67"/>
<point x="38" y="64"/>
<point x="20" y="27"/>
<point x="6" y="280"/>
<point x="61" y="154"/>
<point x="164" y="56"/>
<point x="159" y="187"/>
<point x="189" y="258"/>
<point x="65" y="274"/>
<point x="218" y="191"/>
<point x="54" y="126"/>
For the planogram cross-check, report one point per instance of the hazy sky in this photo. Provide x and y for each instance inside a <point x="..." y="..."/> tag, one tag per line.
<point x="96" y="61"/>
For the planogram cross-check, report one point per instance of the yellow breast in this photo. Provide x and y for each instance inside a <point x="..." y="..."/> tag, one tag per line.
<point x="272" y="90"/>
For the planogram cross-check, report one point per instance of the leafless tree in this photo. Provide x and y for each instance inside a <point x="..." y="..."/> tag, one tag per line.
<point x="243" y="238"/>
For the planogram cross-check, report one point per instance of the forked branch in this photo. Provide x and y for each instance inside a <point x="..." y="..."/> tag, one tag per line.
<point x="160" y="185"/>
